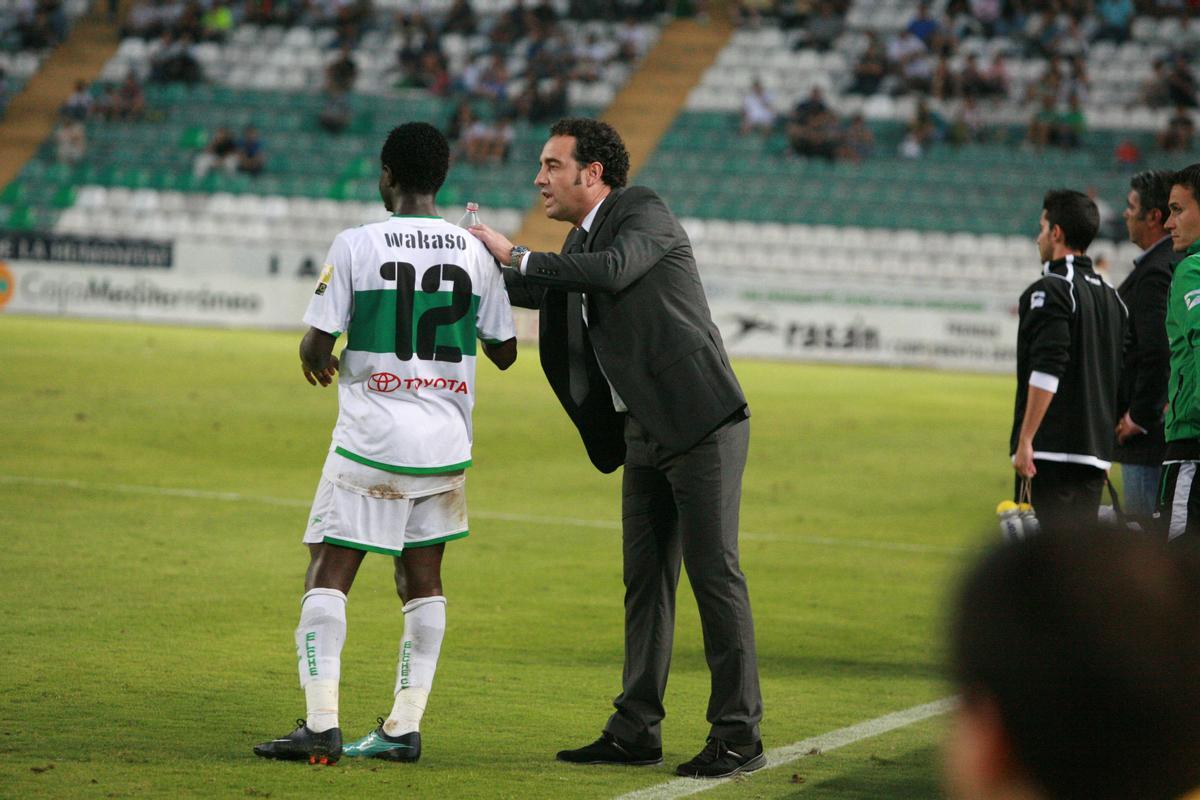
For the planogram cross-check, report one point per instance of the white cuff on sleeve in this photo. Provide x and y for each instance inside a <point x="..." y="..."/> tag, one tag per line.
<point x="524" y="262"/>
<point x="1044" y="381"/>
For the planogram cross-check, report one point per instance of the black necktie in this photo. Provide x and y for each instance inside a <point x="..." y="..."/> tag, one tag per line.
<point x="576" y="334"/>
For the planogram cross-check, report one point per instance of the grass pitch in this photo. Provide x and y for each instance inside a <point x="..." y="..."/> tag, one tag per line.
<point x="154" y="484"/>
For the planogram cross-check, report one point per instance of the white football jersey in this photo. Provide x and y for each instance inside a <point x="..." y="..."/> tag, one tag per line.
<point x="414" y="295"/>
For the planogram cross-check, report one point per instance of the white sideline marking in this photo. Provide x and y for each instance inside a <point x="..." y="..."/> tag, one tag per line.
<point x="682" y="787"/>
<point x="533" y="519"/>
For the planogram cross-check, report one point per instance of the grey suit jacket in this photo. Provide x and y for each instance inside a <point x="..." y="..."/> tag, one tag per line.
<point x="648" y="323"/>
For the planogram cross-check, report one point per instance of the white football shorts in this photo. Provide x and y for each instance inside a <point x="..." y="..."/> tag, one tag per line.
<point x="384" y="512"/>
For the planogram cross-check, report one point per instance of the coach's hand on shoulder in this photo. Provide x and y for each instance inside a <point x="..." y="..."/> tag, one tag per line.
<point x="497" y="243"/>
<point x="322" y="376"/>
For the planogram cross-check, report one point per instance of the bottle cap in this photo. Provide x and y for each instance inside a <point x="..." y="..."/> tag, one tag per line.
<point x="1006" y="505"/>
<point x="472" y="206"/>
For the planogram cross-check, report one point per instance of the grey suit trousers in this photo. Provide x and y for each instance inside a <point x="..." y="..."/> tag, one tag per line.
<point x="683" y="507"/>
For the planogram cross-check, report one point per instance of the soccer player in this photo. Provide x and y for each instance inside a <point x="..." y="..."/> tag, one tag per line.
<point x="1068" y="364"/>
<point x="1179" y="495"/>
<point x="413" y="293"/>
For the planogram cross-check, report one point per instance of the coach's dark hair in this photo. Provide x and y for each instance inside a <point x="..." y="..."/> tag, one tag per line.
<point x="1189" y="176"/>
<point x="596" y="141"/>
<point x="1075" y="213"/>
<point x="418" y="156"/>
<point x="1153" y="188"/>
<point x="1088" y="644"/>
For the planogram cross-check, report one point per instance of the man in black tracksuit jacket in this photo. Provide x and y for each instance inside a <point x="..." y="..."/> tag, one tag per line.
<point x="1068" y="366"/>
<point x="1143" y="393"/>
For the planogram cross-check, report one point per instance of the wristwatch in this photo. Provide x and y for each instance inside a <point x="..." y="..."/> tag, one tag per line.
<point x="514" y="257"/>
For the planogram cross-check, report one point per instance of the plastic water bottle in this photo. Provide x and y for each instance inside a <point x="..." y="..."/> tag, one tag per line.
<point x="1029" y="520"/>
<point x="1011" y="527"/>
<point x="471" y="217"/>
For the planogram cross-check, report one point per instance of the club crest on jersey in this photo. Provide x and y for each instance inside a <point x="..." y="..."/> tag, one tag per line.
<point x="1037" y="300"/>
<point x="326" y="277"/>
<point x="1192" y="299"/>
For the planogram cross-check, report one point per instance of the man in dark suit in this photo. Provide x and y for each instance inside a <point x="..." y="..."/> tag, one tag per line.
<point x="630" y="349"/>
<point x="1143" y="389"/>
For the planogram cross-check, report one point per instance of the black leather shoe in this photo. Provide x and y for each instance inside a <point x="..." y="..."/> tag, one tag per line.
<point x="303" y="744"/>
<point x="610" y="750"/>
<point x="720" y="759"/>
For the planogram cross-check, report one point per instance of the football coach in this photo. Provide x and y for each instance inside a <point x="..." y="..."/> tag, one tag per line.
<point x="630" y="349"/>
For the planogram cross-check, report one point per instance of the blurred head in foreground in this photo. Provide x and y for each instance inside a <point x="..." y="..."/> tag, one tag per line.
<point x="1077" y="657"/>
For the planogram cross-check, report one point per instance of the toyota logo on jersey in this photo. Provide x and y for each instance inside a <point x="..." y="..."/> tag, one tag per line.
<point x="383" y="382"/>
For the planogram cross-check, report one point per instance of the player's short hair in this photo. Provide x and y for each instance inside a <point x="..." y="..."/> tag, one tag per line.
<point x="596" y="141"/>
<point x="1154" y="189"/>
<point x="1188" y="177"/>
<point x="418" y="156"/>
<point x="1088" y="644"/>
<point x="1075" y="213"/>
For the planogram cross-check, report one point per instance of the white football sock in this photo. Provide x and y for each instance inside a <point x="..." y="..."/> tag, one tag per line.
<point x="424" y="627"/>
<point x="319" y="639"/>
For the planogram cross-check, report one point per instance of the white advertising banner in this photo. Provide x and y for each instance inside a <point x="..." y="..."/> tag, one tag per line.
<point x="151" y="295"/>
<point x="223" y="286"/>
<point x="898" y="328"/>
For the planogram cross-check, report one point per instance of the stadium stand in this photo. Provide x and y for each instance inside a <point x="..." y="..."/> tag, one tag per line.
<point x="271" y="77"/>
<point x="950" y="212"/>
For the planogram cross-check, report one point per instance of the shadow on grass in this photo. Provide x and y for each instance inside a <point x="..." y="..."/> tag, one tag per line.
<point x="914" y="775"/>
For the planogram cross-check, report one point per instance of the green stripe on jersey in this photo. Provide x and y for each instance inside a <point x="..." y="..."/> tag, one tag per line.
<point x="341" y="451"/>
<point x="373" y="326"/>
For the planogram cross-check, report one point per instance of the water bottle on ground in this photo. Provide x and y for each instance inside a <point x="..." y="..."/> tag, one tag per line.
<point x="471" y="217"/>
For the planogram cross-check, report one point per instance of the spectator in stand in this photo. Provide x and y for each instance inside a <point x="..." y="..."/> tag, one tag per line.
<point x="632" y="41"/>
<point x="335" y="114"/>
<point x="871" y="69"/>
<point x="1177" y="138"/>
<point x="968" y="126"/>
<point x="461" y="120"/>
<point x="1116" y="19"/>
<point x="944" y="84"/>
<point x="997" y="76"/>
<point x="492" y="83"/>
<point x="1070" y="126"/>
<point x="812" y="129"/>
<point x="70" y="140"/>
<point x="971" y="81"/>
<point x="857" y="141"/>
<point x="924" y="26"/>
<point x="460" y="19"/>
<point x="478" y="141"/>
<point x="549" y="102"/>
<point x="1155" y="92"/>
<point x="1043" y="123"/>
<point x="217" y="22"/>
<point x="1181" y="82"/>
<point x="172" y="60"/>
<point x="79" y="104"/>
<point x="1042" y="33"/>
<point x="988" y="14"/>
<point x="909" y="58"/>
<point x="251" y="159"/>
<point x="130" y="102"/>
<point x="823" y="28"/>
<point x="342" y="72"/>
<point x="221" y="152"/>
<point x="960" y="22"/>
<point x="758" y="110"/>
